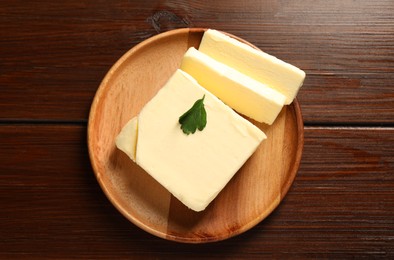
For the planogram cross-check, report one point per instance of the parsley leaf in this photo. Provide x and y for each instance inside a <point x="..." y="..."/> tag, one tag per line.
<point x="195" y="118"/>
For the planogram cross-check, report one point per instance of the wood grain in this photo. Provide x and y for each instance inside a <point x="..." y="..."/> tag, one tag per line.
<point x="341" y="204"/>
<point x="54" y="55"/>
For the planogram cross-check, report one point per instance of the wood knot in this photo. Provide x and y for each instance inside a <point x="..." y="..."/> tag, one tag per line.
<point x="165" y="20"/>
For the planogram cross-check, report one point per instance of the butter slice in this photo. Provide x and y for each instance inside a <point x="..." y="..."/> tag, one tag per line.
<point x="126" y="140"/>
<point x="195" y="167"/>
<point x="244" y="94"/>
<point x="257" y="64"/>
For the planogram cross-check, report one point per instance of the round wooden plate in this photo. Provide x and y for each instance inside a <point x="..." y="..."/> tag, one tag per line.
<point x="253" y="193"/>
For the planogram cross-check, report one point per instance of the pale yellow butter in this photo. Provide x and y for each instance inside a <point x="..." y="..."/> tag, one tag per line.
<point x="126" y="140"/>
<point x="244" y="94"/>
<point x="258" y="65"/>
<point x="195" y="167"/>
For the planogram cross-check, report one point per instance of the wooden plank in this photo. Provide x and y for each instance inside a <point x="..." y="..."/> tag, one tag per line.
<point x="341" y="204"/>
<point x="54" y="55"/>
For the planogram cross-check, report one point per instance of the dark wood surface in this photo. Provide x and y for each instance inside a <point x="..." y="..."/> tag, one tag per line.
<point x="54" y="54"/>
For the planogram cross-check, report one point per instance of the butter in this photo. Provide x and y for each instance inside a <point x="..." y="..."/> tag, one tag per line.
<point x="244" y="94"/>
<point x="126" y="140"/>
<point x="195" y="167"/>
<point x="258" y="65"/>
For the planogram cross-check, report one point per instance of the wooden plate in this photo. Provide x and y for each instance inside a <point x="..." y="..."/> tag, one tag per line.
<point x="253" y="193"/>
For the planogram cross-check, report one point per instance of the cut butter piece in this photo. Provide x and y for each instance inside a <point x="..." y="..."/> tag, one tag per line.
<point x="126" y="140"/>
<point x="257" y="64"/>
<point x="195" y="167"/>
<point x="244" y="94"/>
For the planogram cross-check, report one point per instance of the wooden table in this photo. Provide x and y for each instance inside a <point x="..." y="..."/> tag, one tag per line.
<point x="54" y="54"/>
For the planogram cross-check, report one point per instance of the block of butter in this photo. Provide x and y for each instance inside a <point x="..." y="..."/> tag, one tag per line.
<point x="242" y="93"/>
<point x="258" y="65"/>
<point x="194" y="167"/>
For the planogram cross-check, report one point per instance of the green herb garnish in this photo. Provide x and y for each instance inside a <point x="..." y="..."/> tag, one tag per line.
<point x="194" y="118"/>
